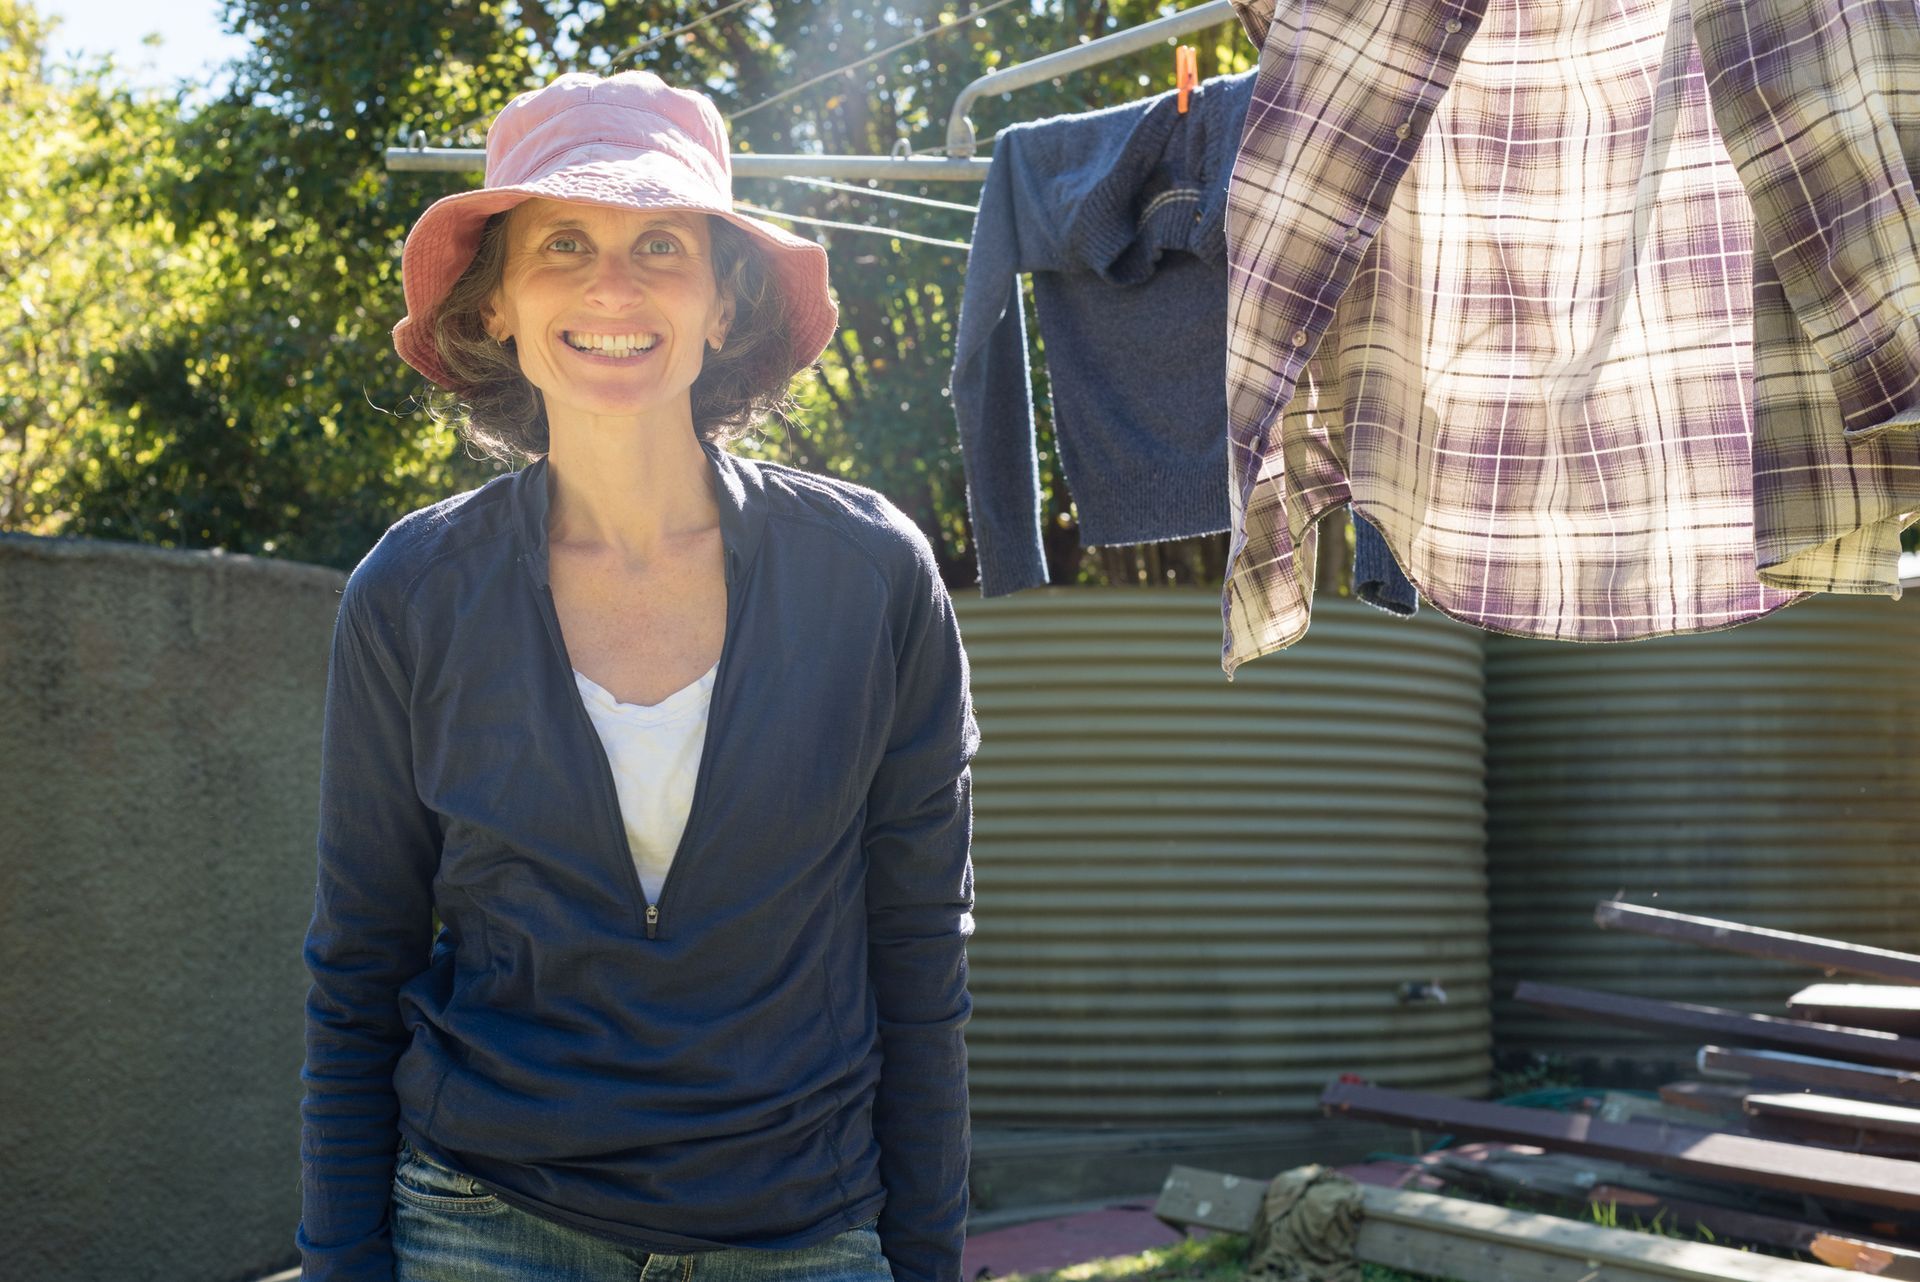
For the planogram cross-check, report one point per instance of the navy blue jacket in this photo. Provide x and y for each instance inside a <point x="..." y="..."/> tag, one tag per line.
<point x="770" y="1055"/>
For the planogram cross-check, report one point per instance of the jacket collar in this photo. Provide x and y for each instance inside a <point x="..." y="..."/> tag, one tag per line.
<point x="737" y="486"/>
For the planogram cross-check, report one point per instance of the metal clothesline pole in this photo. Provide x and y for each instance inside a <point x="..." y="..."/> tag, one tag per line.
<point x="959" y="164"/>
<point x="460" y="160"/>
<point x="960" y="141"/>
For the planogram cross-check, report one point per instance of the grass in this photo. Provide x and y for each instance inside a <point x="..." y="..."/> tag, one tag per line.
<point x="1219" y="1258"/>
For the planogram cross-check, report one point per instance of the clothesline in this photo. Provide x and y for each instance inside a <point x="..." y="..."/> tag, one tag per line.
<point x="883" y="195"/>
<point x="764" y="212"/>
<point x="681" y="30"/>
<point x="613" y="64"/>
<point x="979" y="11"/>
<point x="956" y="162"/>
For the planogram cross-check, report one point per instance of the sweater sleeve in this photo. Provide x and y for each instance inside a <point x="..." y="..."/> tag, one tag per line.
<point x="370" y="933"/>
<point x="919" y="915"/>
<point x="992" y="384"/>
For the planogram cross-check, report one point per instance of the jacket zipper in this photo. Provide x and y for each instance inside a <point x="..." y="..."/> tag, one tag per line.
<point x="700" y="772"/>
<point x="609" y="791"/>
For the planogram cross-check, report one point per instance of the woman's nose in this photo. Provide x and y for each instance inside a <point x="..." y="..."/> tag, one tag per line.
<point x="616" y="281"/>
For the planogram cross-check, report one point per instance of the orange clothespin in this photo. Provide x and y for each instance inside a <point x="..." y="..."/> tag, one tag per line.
<point x="1186" y="72"/>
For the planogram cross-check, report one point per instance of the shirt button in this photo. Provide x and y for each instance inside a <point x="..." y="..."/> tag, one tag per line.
<point x="1453" y="26"/>
<point x="1353" y="234"/>
<point x="1405" y="128"/>
<point x="1299" y="338"/>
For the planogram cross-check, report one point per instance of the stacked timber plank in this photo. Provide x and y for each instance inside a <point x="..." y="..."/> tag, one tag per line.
<point x="1452" y="1238"/>
<point x="1802" y="1136"/>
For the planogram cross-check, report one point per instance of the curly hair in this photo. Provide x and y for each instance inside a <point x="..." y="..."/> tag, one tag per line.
<point x="493" y="406"/>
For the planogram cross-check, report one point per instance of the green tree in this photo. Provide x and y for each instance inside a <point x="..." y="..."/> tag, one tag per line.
<point x="90" y="268"/>
<point x="279" y="420"/>
<point x="273" y="416"/>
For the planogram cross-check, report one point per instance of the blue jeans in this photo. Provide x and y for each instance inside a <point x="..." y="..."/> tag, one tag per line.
<point x="448" y="1227"/>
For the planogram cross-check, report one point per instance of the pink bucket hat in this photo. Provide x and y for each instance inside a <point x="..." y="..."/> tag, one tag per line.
<point x="628" y="141"/>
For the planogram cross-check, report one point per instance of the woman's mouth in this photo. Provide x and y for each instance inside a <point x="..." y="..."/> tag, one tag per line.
<point x="613" y="346"/>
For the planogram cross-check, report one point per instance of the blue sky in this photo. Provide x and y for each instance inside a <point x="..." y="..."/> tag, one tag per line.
<point x="192" y="40"/>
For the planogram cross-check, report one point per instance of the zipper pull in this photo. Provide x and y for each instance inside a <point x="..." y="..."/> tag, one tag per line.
<point x="653" y="919"/>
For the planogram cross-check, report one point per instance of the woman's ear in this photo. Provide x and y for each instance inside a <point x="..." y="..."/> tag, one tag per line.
<point x="491" y="322"/>
<point x="717" y="332"/>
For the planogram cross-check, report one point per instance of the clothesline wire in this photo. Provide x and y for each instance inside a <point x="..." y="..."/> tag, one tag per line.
<point x="882" y="195"/>
<point x="614" y="62"/>
<point x="979" y="11"/>
<point x="862" y="227"/>
<point x="665" y="36"/>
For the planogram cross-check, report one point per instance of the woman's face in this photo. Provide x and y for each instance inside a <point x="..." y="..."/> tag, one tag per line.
<point x="610" y="310"/>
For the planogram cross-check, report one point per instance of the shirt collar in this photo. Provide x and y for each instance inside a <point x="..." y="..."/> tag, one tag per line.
<point x="737" y="487"/>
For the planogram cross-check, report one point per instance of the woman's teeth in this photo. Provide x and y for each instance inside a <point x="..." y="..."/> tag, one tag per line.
<point x="612" y="344"/>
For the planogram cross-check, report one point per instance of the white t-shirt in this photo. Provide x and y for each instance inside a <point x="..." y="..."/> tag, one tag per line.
<point x="655" y="753"/>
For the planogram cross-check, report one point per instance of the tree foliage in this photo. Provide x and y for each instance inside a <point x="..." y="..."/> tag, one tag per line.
<point x="90" y="270"/>
<point x="261" y="408"/>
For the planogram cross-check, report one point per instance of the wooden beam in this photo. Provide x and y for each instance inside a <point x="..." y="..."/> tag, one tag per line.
<point x="1571" y="1177"/>
<point x="1880" y="1119"/>
<point x="1210" y="1200"/>
<point x="1730" y="1215"/>
<point x="1575" y="1186"/>
<point x="1757" y="941"/>
<point x="1860" y="1045"/>
<point x="1877" y="1181"/>
<point x="1829" y="1129"/>
<point x="1471" y="1242"/>
<point x="1722" y="1224"/>
<point x="1890" y="1008"/>
<point x="1809" y="1070"/>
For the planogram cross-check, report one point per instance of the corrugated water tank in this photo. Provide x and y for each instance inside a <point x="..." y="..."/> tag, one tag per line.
<point x="1766" y="774"/>
<point x="1198" y="901"/>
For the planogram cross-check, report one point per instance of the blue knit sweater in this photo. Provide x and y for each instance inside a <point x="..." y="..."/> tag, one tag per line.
<point x="1120" y="215"/>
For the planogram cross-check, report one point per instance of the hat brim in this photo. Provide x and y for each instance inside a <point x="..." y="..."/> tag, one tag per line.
<point x="444" y="240"/>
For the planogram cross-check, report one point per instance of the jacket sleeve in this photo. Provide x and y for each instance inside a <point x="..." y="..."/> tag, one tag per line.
<point x="371" y="928"/>
<point x="919" y="914"/>
<point x="992" y="383"/>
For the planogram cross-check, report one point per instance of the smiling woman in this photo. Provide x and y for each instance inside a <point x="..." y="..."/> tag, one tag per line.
<point x="695" y="1008"/>
<point x="500" y="409"/>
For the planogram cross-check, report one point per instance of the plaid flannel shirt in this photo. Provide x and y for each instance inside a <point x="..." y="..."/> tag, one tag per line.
<point x="1492" y="279"/>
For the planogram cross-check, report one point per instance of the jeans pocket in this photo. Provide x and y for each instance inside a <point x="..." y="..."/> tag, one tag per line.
<point x="429" y="1185"/>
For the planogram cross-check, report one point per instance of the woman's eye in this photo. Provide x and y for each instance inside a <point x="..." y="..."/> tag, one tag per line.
<point x="565" y="244"/>
<point x="662" y="245"/>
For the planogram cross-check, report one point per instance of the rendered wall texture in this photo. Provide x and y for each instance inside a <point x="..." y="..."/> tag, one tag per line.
<point x="159" y="772"/>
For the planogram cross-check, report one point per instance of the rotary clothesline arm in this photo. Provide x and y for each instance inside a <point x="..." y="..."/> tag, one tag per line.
<point x="959" y="165"/>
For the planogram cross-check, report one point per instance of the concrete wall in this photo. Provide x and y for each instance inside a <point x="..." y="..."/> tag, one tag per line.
<point x="159" y="773"/>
